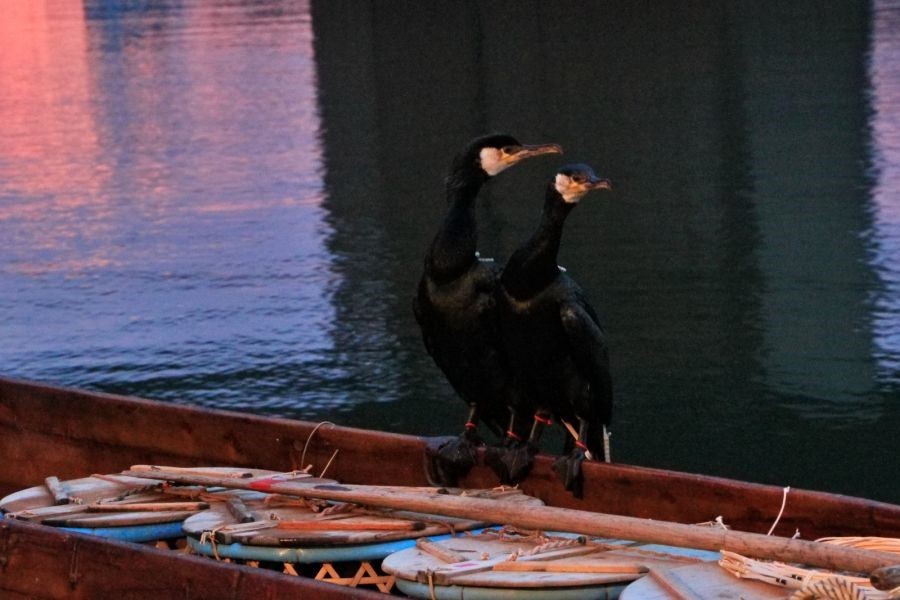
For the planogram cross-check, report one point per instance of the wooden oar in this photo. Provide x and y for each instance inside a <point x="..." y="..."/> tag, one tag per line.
<point x="550" y="518"/>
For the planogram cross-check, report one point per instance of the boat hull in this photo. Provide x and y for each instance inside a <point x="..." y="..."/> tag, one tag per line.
<point x="47" y="430"/>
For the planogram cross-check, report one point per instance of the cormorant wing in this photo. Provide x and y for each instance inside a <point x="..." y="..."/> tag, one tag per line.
<point x="422" y="320"/>
<point x="589" y="350"/>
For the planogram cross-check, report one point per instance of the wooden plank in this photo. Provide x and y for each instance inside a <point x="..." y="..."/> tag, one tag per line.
<point x="239" y="510"/>
<point x="438" y="551"/>
<point x="548" y="518"/>
<point x="700" y="581"/>
<point x="147" y="507"/>
<point x="673" y="585"/>
<point x="57" y="490"/>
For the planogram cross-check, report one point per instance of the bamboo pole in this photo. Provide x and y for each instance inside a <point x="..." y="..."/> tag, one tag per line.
<point x="550" y="518"/>
<point x="147" y="507"/>
<point x="341" y="525"/>
<point x="551" y="567"/>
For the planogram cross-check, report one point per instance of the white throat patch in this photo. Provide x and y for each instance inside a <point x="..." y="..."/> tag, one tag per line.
<point x="568" y="189"/>
<point x="492" y="161"/>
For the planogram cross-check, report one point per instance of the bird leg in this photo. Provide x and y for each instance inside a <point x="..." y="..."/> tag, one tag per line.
<point x="470" y="433"/>
<point x="513" y="461"/>
<point x="568" y="468"/>
<point x="448" y="459"/>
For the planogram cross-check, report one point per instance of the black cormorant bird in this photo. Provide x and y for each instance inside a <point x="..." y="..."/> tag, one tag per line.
<point x="553" y="340"/>
<point x="455" y="305"/>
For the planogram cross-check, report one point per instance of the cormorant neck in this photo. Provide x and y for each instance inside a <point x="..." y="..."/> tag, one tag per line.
<point x="453" y="250"/>
<point x="533" y="266"/>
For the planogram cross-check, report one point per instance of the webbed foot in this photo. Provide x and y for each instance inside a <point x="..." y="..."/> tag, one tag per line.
<point x="511" y="462"/>
<point x="568" y="468"/>
<point x="449" y="459"/>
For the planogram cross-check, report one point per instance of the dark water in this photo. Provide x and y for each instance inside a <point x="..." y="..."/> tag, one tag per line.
<point x="226" y="203"/>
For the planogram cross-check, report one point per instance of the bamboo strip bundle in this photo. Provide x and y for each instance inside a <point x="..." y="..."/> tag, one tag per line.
<point x="791" y="577"/>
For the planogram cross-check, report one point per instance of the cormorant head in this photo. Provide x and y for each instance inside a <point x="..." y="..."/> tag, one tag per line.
<point x="497" y="152"/>
<point x="574" y="181"/>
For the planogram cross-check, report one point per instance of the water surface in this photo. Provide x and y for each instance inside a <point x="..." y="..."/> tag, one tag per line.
<point x="226" y="204"/>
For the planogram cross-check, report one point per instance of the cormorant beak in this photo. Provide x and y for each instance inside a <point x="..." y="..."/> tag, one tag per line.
<point x="527" y="151"/>
<point x="600" y="184"/>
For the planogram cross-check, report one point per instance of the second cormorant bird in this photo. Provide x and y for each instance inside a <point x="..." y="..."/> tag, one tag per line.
<point x="553" y="339"/>
<point x="455" y="305"/>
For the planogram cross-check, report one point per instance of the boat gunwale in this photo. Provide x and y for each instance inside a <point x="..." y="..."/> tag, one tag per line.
<point x="190" y="430"/>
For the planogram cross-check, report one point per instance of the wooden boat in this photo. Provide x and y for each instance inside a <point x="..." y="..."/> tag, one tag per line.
<point x="51" y="431"/>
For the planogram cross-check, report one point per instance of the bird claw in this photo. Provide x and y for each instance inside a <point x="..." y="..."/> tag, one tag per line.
<point x="568" y="468"/>
<point x="511" y="462"/>
<point x="471" y="435"/>
<point x="448" y="459"/>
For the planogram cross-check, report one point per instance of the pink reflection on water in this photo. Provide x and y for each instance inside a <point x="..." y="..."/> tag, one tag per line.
<point x="135" y="124"/>
<point x="885" y="126"/>
<point x="50" y="145"/>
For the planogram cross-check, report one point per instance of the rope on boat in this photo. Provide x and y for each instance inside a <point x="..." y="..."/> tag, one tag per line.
<point x="210" y="537"/>
<point x="431" y="584"/>
<point x="311" y="434"/>
<point x="606" y="447"/>
<point x="717" y="522"/>
<point x="339" y="509"/>
<point x="553" y="544"/>
<point x="330" y="460"/>
<point x="781" y="511"/>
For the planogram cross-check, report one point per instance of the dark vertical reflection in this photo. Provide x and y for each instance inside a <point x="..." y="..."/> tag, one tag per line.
<point x="727" y="265"/>
<point x="808" y="136"/>
<point x="738" y="269"/>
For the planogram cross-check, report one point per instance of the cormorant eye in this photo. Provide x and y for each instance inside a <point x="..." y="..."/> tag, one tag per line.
<point x="579" y="178"/>
<point x="510" y="149"/>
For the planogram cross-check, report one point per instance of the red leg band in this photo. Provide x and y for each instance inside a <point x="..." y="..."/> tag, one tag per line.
<point x="541" y="419"/>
